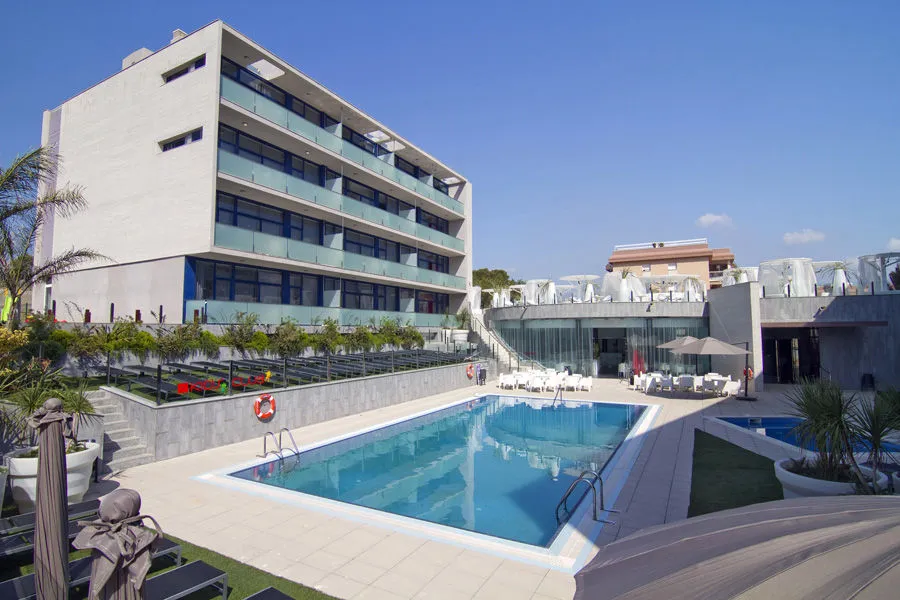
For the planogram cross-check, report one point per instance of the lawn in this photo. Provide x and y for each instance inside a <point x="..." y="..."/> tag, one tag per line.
<point x="727" y="476"/>
<point x="243" y="580"/>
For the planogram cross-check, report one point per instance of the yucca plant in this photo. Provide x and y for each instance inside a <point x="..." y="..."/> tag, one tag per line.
<point x="872" y="423"/>
<point x="827" y="423"/>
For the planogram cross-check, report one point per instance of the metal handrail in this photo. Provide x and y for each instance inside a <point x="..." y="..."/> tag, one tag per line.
<point x="295" y="449"/>
<point x="591" y="478"/>
<point x="277" y="445"/>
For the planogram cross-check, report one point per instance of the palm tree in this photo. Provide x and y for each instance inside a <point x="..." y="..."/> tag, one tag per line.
<point x="28" y="196"/>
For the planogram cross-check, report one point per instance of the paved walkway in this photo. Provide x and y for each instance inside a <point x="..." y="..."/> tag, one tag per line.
<point x="351" y="559"/>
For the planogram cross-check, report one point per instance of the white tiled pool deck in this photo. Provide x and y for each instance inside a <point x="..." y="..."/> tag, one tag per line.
<point x="350" y="559"/>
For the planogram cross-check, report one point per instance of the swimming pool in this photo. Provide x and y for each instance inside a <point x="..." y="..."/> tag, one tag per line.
<point x="782" y="429"/>
<point x="494" y="465"/>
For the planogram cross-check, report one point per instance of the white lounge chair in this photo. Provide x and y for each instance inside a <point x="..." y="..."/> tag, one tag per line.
<point x="731" y="388"/>
<point x="586" y="384"/>
<point x="572" y="382"/>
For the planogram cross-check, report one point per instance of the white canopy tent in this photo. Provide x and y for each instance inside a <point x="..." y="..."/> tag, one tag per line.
<point x="788" y="276"/>
<point x="876" y="268"/>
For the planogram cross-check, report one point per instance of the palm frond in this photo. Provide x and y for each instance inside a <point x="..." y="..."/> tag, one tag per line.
<point x="27" y="171"/>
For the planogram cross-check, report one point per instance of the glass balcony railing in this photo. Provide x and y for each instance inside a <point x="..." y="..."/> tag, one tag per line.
<point x="256" y="242"/>
<point x="226" y="312"/>
<point x="237" y="166"/>
<point x="278" y="114"/>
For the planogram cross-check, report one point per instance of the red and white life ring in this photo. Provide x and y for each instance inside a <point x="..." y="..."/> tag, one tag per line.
<point x="257" y="406"/>
<point x="470" y="371"/>
<point x="748" y="373"/>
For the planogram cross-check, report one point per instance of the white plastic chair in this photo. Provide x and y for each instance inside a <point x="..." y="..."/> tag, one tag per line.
<point x="652" y="385"/>
<point x="572" y="382"/>
<point x="731" y="388"/>
<point x="586" y="384"/>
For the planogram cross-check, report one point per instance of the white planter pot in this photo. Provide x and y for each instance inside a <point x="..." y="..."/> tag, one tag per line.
<point x="23" y="476"/>
<point x="798" y="486"/>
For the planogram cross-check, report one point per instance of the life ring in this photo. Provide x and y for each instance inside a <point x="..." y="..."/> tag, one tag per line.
<point x="748" y="373"/>
<point x="257" y="406"/>
<point x="470" y="371"/>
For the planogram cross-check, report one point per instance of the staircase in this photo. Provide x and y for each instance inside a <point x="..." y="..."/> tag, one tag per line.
<point x="493" y="345"/>
<point x="122" y="448"/>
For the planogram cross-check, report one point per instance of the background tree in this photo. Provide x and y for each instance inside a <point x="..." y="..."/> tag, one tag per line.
<point x="495" y="279"/>
<point x="243" y="335"/>
<point x="23" y="210"/>
<point x="326" y="341"/>
<point x="895" y="278"/>
<point x="289" y="340"/>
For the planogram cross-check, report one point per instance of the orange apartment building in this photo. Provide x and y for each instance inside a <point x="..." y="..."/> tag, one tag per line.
<point x="681" y="257"/>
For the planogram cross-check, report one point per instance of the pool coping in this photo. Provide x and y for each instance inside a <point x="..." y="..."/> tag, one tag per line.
<point x="570" y="549"/>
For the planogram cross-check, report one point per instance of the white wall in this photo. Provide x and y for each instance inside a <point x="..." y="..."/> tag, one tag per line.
<point x="734" y="317"/>
<point x="143" y="285"/>
<point x="143" y="203"/>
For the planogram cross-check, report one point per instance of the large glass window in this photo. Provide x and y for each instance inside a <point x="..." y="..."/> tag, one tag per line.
<point x="303" y="289"/>
<point x="431" y="303"/>
<point x="433" y="262"/>
<point x="241" y="75"/>
<point x="432" y="221"/>
<point x="359" y="243"/>
<point x="305" y="229"/>
<point x="361" y="141"/>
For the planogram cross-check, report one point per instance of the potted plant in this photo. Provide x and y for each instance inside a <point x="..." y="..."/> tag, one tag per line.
<point x="80" y="456"/>
<point x="836" y="426"/>
<point x="460" y="335"/>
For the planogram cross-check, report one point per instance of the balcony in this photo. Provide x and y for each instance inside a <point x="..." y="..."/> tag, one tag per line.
<point x="225" y="312"/>
<point x="256" y="242"/>
<point x="236" y="166"/>
<point x="272" y="111"/>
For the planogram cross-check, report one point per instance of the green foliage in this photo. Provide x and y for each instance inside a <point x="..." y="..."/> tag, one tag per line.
<point x="361" y="339"/>
<point x="463" y="318"/>
<point x="328" y="338"/>
<point x="492" y="279"/>
<point x="834" y="423"/>
<point x="181" y="341"/>
<point x="289" y="340"/>
<point x="388" y="333"/>
<point x="30" y="387"/>
<point x="240" y="334"/>
<point x="76" y="403"/>
<point x="410" y="338"/>
<point x="85" y="347"/>
<point x="895" y="277"/>
<point x="208" y="345"/>
<point x="45" y="339"/>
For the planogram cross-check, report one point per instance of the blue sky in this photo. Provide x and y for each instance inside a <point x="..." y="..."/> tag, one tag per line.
<point x="580" y="127"/>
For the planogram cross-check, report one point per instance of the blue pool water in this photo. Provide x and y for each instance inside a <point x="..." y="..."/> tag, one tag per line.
<point x="782" y="428"/>
<point x="496" y="465"/>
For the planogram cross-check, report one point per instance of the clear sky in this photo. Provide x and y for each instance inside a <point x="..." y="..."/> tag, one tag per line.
<point x="580" y="124"/>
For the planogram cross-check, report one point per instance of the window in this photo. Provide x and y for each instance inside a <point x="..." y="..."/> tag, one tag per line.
<point x="304" y="289"/>
<point x="359" y="243"/>
<point x="185" y="69"/>
<point x="673" y="267"/>
<point x="441" y="186"/>
<point x="645" y="268"/>
<point x="305" y="229"/>
<point x="432" y="221"/>
<point x="243" y="76"/>
<point x="183" y="139"/>
<point x="359" y="295"/>
<point x="433" y="262"/>
<point x="431" y="303"/>
<point x="361" y="141"/>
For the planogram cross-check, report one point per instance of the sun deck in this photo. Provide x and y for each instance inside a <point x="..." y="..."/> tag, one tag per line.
<point x="349" y="558"/>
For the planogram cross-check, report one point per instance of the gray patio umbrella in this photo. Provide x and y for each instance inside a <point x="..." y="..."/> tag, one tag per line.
<point x="803" y="548"/>
<point x="678" y="342"/>
<point x="711" y="346"/>
<point x="51" y="542"/>
<point x="121" y="547"/>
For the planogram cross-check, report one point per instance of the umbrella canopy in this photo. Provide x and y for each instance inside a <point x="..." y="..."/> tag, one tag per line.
<point x="825" y="547"/>
<point x="711" y="346"/>
<point x="678" y="342"/>
<point x="51" y="542"/>
<point x="121" y="546"/>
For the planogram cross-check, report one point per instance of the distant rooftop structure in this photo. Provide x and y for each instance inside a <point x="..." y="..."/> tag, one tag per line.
<point x="645" y="245"/>
<point x="686" y="257"/>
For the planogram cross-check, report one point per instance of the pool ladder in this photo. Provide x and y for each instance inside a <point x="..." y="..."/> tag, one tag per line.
<point x="592" y="478"/>
<point x="279" y="447"/>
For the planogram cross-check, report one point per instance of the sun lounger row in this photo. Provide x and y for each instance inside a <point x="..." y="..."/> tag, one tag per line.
<point x="541" y="381"/>
<point x="26" y="522"/>
<point x="711" y="382"/>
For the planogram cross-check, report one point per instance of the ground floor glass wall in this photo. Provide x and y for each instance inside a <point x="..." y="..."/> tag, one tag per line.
<point x="605" y="347"/>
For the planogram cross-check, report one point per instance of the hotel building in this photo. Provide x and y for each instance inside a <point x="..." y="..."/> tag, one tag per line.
<point x="220" y="179"/>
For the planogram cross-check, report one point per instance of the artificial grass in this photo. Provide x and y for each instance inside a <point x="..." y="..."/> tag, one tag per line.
<point x="243" y="580"/>
<point x="727" y="476"/>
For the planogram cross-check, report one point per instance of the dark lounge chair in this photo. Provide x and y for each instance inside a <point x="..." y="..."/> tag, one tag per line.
<point x="25" y="523"/>
<point x="22" y="588"/>
<point x="23" y="542"/>
<point x="185" y="580"/>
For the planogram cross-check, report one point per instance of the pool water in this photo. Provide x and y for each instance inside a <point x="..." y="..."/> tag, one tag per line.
<point x="782" y="428"/>
<point x="496" y="465"/>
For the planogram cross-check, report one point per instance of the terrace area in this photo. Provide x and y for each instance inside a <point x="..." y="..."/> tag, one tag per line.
<point x="349" y="557"/>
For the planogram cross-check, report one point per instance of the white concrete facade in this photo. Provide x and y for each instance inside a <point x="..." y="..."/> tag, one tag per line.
<point x="153" y="212"/>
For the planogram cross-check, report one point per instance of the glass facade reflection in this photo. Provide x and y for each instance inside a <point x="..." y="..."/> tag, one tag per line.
<point x="602" y="346"/>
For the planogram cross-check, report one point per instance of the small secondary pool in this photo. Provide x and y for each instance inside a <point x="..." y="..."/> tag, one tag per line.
<point x="495" y="465"/>
<point x="782" y="428"/>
